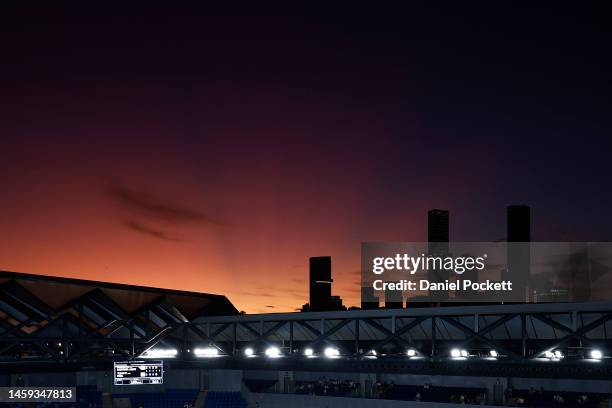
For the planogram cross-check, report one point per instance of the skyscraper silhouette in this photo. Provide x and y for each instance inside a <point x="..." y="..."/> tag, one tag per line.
<point x="393" y="299"/>
<point x="519" y="250"/>
<point x="438" y="237"/>
<point x="320" y="283"/>
<point x="368" y="299"/>
<point x="519" y="223"/>
<point x="437" y="226"/>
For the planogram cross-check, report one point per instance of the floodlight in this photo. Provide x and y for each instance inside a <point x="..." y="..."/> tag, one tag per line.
<point x="331" y="352"/>
<point x="596" y="354"/>
<point x="160" y="353"/>
<point x="273" y="352"/>
<point x="206" y="352"/>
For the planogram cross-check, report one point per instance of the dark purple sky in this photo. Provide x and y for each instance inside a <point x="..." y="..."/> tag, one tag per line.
<point x="197" y="148"/>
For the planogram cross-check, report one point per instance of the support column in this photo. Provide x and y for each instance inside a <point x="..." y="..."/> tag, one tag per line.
<point x="433" y="336"/>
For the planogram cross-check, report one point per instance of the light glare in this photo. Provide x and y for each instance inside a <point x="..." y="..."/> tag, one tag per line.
<point x="273" y="352"/>
<point x="160" y="353"/>
<point x="206" y="352"/>
<point x="596" y="354"/>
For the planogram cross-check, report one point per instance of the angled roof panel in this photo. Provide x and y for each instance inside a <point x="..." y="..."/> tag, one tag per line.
<point x="55" y="294"/>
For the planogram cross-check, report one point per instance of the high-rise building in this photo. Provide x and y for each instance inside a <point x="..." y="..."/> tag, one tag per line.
<point x="368" y="299"/>
<point x="519" y="223"/>
<point x="320" y="283"/>
<point x="393" y="299"/>
<point x="518" y="269"/>
<point x="438" y="237"/>
<point x="437" y="226"/>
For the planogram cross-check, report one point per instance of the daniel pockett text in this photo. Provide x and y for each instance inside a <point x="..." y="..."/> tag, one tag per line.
<point x="423" y="263"/>
<point x="440" y="272"/>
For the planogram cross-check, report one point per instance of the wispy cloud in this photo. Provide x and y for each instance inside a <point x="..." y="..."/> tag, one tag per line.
<point x="151" y="215"/>
<point x="147" y="230"/>
<point x="149" y="205"/>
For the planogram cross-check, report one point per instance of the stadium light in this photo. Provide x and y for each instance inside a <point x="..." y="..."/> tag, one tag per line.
<point x="555" y="355"/>
<point x="459" y="353"/>
<point x="331" y="352"/>
<point x="249" y="352"/>
<point x="160" y="353"/>
<point x="411" y="352"/>
<point x="273" y="352"/>
<point x="206" y="352"/>
<point x="308" y="352"/>
<point x="596" y="354"/>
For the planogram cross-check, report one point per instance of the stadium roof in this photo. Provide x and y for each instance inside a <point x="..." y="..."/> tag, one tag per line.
<point x="30" y="303"/>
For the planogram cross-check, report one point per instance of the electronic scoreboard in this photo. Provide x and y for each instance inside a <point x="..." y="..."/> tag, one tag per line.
<point x="139" y="372"/>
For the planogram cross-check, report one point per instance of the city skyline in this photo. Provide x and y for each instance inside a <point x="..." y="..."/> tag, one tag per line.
<point x="216" y="150"/>
<point x="320" y="270"/>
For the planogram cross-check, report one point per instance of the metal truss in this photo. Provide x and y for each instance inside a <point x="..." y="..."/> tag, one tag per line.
<point x="90" y="327"/>
<point x="516" y="332"/>
<point x="514" y="339"/>
<point x="94" y="328"/>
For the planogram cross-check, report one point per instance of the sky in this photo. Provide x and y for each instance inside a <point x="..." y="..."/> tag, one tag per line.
<point x="216" y="150"/>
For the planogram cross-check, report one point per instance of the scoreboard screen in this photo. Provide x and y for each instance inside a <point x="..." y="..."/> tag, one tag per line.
<point x="139" y="372"/>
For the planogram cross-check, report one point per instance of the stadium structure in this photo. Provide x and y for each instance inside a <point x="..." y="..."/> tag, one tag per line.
<point x="196" y="349"/>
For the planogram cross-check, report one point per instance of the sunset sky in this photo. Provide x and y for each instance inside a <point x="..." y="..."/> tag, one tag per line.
<point x="216" y="150"/>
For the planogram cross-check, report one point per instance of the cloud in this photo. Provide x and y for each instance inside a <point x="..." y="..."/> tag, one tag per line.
<point x="146" y="230"/>
<point x="151" y="215"/>
<point x="145" y="204"/>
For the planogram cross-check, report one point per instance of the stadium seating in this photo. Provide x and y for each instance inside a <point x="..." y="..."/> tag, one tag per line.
<point x="260" y="385"/>
<point x="541" y="398"/>
<point x="87" y="395"/>
<point x="224" y="400"/>
<point x="324" y="387"/>
<point x="167" y="399"/>
<point x="434" y="393"/>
